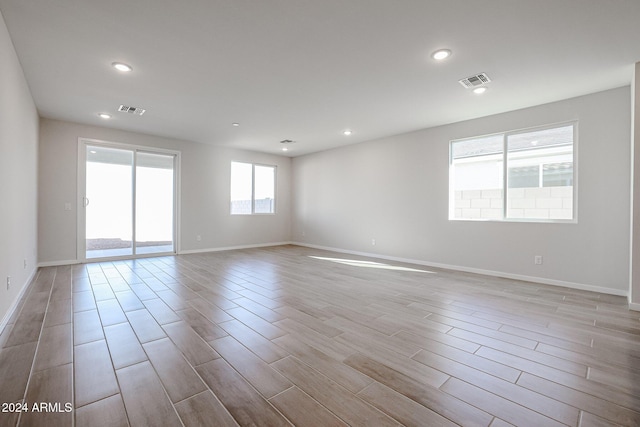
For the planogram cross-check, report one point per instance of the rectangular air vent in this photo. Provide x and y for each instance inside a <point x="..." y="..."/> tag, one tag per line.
<point x="132" y="110"/>
<point x="475" y="81"/>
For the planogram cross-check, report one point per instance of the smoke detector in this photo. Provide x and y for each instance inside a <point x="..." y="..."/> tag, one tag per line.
<point x="132" y="110"/>
<point x="475" y="80"/>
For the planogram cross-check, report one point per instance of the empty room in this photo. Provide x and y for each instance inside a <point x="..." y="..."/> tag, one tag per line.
<point x="320" y="213"/>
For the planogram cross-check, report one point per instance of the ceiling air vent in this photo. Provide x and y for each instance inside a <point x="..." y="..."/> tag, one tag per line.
<point x="475" y="80"/>
<point x="287" y="141"/>
<point x="132" y="110"/>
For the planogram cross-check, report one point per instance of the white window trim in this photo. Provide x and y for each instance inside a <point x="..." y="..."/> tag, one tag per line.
<point x="505" y="136"/>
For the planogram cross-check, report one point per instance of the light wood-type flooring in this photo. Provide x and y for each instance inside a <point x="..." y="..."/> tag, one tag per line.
<point x="291" y="335"/>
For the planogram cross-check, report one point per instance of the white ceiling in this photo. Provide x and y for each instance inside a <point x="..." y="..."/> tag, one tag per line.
<point x="308" y="69"/>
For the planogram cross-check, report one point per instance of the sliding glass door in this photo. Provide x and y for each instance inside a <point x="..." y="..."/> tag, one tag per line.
<point x="129" y="203"/>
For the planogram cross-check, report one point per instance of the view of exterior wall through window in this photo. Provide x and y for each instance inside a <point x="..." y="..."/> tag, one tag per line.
<point x="522" y="175"/>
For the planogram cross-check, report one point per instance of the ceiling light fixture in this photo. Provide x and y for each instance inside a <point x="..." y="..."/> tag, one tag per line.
<point x="104" y="116"/>
<point x="479" y="90"/>
<point x="441" y="54"/>
<point x="285" y="149"/>
<point x="347" y="132"/>
<point x="120" y="66"/>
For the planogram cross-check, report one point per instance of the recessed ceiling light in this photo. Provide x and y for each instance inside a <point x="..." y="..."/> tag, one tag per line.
<point x="479" y="90"/>
<point x="235" y="124"/>
<point x="104" y="116"/>
<point x="441" y="54"/>
<point x="125" y="68"/>
<point x="347" y="132"/>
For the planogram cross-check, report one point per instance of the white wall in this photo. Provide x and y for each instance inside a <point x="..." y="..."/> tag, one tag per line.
<point x="395" y="190"/>
<point x="205" y="187"/>
<point x="18" y="176"/>
<point x="634" y="268"/>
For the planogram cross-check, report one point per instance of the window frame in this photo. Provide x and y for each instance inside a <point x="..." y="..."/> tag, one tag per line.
<point x="505" y="171"/>
<point x="253" y="188"/>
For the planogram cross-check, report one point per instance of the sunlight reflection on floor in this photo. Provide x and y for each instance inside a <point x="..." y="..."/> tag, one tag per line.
<point x="369" y="264"/>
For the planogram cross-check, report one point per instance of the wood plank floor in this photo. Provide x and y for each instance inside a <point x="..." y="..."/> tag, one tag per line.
<point x="291" y="335"/>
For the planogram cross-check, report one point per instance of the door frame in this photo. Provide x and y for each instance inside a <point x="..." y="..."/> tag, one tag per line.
<point x="81" y="252"/>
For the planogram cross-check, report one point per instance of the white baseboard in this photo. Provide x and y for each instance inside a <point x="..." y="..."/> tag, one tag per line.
<point x="13" y="307"/>
<point x="58" y="263"/>
<point x="500" y="274"/>
<point x="634" y="306"/>
<point x="181" y="252"/>
<point x="233" y="248"/>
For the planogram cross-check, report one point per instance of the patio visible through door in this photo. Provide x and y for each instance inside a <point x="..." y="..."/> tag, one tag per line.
<point x="129" y="202"/>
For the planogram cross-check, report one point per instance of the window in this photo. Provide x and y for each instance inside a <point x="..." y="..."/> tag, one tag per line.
<point x="535" y="167"/>
<point x="252" y="189"/>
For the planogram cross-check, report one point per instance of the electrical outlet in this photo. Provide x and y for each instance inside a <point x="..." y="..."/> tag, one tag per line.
<point x="537" y="260"/>
<point x="199" y="238"/>
<point x="373" y="242"/>
<point x="8" y="282"/>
